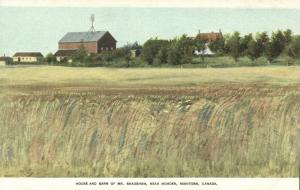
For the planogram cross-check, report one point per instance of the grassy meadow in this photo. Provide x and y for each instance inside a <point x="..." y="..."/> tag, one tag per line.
<point x="149" y="122"/>
<point x="52" y="75"/>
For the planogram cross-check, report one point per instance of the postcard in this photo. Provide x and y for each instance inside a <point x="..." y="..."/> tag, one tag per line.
<point x="148" y="95"/>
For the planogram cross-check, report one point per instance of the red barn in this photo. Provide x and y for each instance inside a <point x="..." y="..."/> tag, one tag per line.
<point x="93" y="41"/>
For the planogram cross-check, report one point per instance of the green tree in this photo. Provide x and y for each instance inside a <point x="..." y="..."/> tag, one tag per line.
<point x="262" y="40"/>
<point x="234" y="44"/>
<point x="288" y="36"/>
<point x="174" y="56"/>
<point x="218" y="46"/>
<point x="294" y="47"/>
<point x="253" y="50"/>
<point x="162" y="55"/>
<point x="185" y="45"/>
<point x="244" y="43"/>
<point x="275" y="46"/>
<point x="50" y="58"/>
<point x="293" y="50"/>
<point x="226" y="49"/>
<point x="80" y="54"/>
<point x="151" y="47"/>
<point x="128" y="59"/>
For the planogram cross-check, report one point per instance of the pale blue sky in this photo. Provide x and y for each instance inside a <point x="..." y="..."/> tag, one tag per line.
<point x="39" y="29"/>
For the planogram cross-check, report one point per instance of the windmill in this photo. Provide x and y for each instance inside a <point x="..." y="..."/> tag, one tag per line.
<point x="92" y="19"/>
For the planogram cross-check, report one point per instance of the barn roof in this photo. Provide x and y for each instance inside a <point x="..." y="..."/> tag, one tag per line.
<point x="83" y="36"/>
<point x="31" y="54"/>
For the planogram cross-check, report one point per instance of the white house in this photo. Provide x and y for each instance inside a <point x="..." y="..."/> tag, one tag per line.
<point x="27" y="57"/>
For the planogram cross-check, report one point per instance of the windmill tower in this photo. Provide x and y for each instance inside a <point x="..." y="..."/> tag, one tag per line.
<point x="92" y="19"/>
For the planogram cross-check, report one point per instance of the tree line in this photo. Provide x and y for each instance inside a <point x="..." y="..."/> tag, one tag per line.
<point x="181" y="50"/>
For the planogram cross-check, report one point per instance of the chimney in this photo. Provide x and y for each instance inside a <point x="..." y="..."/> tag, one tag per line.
<point x="198" y="31"/>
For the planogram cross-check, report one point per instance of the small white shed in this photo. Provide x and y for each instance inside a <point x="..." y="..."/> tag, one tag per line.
<point x="206" y="51"/>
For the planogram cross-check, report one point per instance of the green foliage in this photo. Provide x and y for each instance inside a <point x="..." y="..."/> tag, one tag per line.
<point x="218" y="46"/>
<point x="174" y="57"/>
<point x="200" y="47"/>
<point x="262" y="40"/>
<point x="151" y="48"/>
<point x="185" y="45"/>
<point x="244" y="42"/>
<point x="293" y="50"/>
<point x="80" y="55"/>
<point x="50" y="58"/>
<point x="234" y="44"/>
<point x="253" y="49"/>
<point x="180" y="51"/>
<point x="162" y="56"/>
<point x="135" y="46"/>
<point x="275" y="46"/>
<point x="288" y="36"/>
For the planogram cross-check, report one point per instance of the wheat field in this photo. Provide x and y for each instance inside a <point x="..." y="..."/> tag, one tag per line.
<point x="100" y="122"/>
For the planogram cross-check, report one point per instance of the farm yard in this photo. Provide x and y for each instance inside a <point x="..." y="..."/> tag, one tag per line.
<point x="149" y="122"/>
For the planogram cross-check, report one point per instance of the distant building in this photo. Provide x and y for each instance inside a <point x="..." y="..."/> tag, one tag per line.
<point x="209" y="37"/>
<point x="27" y="57"/>
<point x="65" y="55"/>
<point x="134" y="53"/>
<point x="4" y="60"/>
<point x="92" y="41"/>
<point x="205" y="52"/>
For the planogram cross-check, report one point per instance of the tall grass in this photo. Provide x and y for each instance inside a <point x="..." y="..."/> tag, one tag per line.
<point x="223" y="132"/>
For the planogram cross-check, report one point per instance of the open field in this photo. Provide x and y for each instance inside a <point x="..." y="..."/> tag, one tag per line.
<point x="59" y="121"/>
<point x="146" y="76"/>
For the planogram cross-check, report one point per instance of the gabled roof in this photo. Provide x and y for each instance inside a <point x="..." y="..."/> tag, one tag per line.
<point x="209" y="37"/>
<point x="83" y="36"/>
<point x="65" y="52"/>
<point x="28" y="54"/>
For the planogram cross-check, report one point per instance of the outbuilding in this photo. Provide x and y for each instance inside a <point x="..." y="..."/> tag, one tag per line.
<point x="27" y="57"/>
<point x="65" y="55"/>
<point x="4" y="60"/>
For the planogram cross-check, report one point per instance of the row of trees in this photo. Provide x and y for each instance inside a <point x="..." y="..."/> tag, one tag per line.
<point x="254" y="47"/>
<point x="180" y="50"/>
<point x="175" y="52"/>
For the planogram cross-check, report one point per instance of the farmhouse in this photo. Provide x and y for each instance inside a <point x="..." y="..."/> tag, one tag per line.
<point x="92" y="41"/>
<point x="209" y="37"/>
<point x="27" y="57"/>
